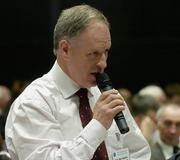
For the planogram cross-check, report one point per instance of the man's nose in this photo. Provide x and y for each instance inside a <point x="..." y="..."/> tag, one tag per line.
<point x="102" y="64"/>
<point x="173" y="129"/>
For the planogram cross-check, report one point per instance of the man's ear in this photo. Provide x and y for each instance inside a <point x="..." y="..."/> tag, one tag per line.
<point x="64" y="48"/>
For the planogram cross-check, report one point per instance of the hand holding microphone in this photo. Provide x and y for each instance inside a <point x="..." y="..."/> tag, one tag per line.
<point x="112" y="101"/>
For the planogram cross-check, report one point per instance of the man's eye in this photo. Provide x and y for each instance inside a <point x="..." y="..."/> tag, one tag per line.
<point x="168" y="123"/>
<point x="96" y="53"/>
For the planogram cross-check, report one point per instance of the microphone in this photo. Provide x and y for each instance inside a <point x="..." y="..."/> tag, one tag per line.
<point x="104" y="84"/>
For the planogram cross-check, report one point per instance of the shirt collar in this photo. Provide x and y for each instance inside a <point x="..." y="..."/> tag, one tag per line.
<point x="64" y="83"/>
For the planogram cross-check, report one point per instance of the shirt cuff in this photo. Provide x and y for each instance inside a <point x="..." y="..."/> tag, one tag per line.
<point x="94" y="133"/>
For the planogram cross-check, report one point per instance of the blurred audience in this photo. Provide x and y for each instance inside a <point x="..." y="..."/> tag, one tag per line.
<point x="18" y="86"/>
<point x="127" y="95"/>
<point x="5" y="98"/>
<point x="5" y="101"/>
<point x="4" y="155"/>
<point x="173" y="92"/>
<point x="144" y="109"/>
<point x="168" y="140"/>
<point x="156" y="91"/>
<point x="1" y="142"/>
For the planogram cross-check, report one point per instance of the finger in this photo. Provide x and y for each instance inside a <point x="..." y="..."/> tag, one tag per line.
<point x="115" y="103"/>
<point x="112" y="97"/>
<point x="117" y="109"/>
<point x="105" y="94"/>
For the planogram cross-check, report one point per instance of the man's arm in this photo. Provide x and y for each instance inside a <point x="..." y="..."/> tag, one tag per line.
<point x="36" y="134"/>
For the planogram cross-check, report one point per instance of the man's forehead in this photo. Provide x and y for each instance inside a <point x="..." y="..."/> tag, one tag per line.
<point x="170" y="117"/>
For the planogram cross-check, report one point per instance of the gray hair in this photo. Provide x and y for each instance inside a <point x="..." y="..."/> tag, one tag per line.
<point x="163" y="108"/>
<point x="152" y="90"/>
<point x="73" y="20"/>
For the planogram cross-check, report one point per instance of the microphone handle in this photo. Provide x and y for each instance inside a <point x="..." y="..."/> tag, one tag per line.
<point x="121" y="122"/>
<point x="104" y="84"/>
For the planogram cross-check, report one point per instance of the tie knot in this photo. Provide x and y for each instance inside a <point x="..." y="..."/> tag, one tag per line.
<point x="82" y="93"/>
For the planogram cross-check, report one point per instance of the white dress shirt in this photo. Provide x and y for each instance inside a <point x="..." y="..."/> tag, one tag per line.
<point x="44" y="124"/>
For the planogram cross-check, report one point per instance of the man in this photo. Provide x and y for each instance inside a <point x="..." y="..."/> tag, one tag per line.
<point x="44" y="122"/>
<point x="167" y="144"/>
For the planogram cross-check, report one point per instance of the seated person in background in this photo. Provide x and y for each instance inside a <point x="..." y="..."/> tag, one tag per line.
<point x="4" y="155"/>
<point x="18" y="86"/>
<point x="173" y="93"/>
<point x="1" y="143"/>
<point x="5" y="101"/>
<point x="168" y="141"/>
<point x="144" y="109"/>
<point x="175" y="156"/>
<point x="155" y="91"/>
<point x="127" y="95"/>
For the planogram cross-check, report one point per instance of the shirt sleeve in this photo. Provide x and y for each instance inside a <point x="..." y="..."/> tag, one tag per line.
<point x="134" y="140"/>
<point x="36" y="135"/>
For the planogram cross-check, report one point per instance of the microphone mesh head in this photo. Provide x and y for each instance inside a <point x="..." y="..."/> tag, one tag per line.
<point x="103" y="80"/>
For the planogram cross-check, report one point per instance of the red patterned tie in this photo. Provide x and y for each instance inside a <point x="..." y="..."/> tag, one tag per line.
<point x="86" y="115"/>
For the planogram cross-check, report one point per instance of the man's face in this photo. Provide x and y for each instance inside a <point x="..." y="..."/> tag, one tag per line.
<point x="87" y="54"/>
<point x="169" y="126"/>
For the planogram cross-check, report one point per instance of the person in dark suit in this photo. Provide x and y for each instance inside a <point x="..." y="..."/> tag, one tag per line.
<point x="175" y="157"/>
<point x="167" y="142"/>
<point x="157" y="153"/>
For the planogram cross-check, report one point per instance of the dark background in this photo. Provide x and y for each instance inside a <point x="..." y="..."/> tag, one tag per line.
<point x="145" y="40"/>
